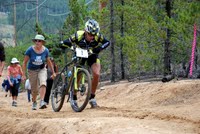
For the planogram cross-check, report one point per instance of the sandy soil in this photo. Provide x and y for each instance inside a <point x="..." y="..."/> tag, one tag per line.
<point x="125" y="108"/>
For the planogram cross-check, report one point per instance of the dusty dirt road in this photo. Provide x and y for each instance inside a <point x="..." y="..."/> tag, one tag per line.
<point x="125" y="108"/>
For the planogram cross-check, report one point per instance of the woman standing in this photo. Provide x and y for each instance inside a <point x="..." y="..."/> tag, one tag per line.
<point x="37" y="55"/>
<point x="14" y="78"/>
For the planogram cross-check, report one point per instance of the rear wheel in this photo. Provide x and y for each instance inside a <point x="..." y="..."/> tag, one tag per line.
<point x="79" y="98"/>
<point x="58" y="92"/>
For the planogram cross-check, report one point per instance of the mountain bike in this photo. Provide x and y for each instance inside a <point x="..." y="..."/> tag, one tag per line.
<point x="74" y="83"/>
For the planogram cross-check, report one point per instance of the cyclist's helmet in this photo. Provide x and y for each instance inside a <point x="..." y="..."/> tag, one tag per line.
<point x="92" y="27"/>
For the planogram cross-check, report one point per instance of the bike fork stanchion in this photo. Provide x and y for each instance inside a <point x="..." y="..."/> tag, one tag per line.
<point x="75" y="79"/>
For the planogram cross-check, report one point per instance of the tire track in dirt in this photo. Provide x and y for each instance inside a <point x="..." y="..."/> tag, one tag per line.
<point x="109" y="112"/>
<point x="143" y="114"/>
<point x="147" y="114"/>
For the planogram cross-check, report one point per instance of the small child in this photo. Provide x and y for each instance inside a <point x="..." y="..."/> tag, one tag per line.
<point x="14" y="73"/>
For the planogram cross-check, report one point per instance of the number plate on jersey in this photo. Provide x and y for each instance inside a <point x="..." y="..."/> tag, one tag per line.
<point x="81" y="53"/>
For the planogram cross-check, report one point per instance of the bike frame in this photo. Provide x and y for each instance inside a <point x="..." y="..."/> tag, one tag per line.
<point x="74" y="74"/>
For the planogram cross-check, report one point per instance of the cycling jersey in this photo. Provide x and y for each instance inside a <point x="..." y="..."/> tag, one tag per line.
<point x="99" y="43"/>
<point x="78" y="38"/>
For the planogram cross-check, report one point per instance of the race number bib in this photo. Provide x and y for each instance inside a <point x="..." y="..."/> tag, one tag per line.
<point x="81" y="53"/>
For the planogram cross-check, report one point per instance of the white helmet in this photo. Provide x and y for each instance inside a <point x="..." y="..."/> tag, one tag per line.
<point x="92" y="27"/>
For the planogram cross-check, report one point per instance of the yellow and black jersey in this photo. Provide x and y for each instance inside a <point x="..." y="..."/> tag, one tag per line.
<point x="99" y="42"/>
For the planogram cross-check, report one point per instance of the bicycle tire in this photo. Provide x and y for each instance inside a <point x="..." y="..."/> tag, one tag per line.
<point x="82" y="96"/>
<point x="58" y="93"/>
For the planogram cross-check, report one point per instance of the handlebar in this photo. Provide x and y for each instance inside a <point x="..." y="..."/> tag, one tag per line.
<point x="78" y="51"/>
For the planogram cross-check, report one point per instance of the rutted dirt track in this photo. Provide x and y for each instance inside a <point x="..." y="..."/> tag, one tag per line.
<point x="125" y="107"/>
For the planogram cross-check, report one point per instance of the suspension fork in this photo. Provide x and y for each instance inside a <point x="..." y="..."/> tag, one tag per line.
<point x="76" y="79"/>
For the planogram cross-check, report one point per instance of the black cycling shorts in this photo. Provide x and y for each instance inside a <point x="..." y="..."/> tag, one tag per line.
<point x="90" y="60"/>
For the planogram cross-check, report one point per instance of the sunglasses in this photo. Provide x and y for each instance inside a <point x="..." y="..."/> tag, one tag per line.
<point x="37" y="40"/>
<point x="91" y="35"/>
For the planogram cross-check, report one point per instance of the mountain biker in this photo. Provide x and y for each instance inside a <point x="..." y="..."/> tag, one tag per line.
<point x="92" y="39"/>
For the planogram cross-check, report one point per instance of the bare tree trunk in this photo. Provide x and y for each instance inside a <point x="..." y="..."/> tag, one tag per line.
<point x="121" y="47"/>
<point x="167" y="55"/>
<point x="112" y="41"/>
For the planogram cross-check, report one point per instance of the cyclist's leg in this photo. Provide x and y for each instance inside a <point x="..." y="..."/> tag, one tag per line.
<point x="94" y="63"/>
<point x="96" y="67"/>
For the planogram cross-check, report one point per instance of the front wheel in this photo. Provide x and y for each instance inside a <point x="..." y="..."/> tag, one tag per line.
<point x="58" y="92"/>
<point x="79" y="97"/>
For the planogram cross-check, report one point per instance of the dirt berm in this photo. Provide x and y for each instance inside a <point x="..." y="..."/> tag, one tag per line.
<point x="124" y="108"/>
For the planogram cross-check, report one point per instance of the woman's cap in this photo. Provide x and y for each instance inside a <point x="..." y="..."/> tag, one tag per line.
<point x="39" y="37"/>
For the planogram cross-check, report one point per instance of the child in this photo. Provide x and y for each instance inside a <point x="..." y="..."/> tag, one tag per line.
<point x="14" y="78"/>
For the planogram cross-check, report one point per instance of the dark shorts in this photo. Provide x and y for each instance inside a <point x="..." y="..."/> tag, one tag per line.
<point x="90" y="60"/>
<point x="14" y="90"/>
<point x="2" y="52"/>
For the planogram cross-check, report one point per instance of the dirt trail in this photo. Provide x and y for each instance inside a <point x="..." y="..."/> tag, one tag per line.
<point x="125" y="107"/>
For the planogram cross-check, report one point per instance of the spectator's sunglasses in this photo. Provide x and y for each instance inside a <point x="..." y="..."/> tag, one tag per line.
<point x="37" y="40"/>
